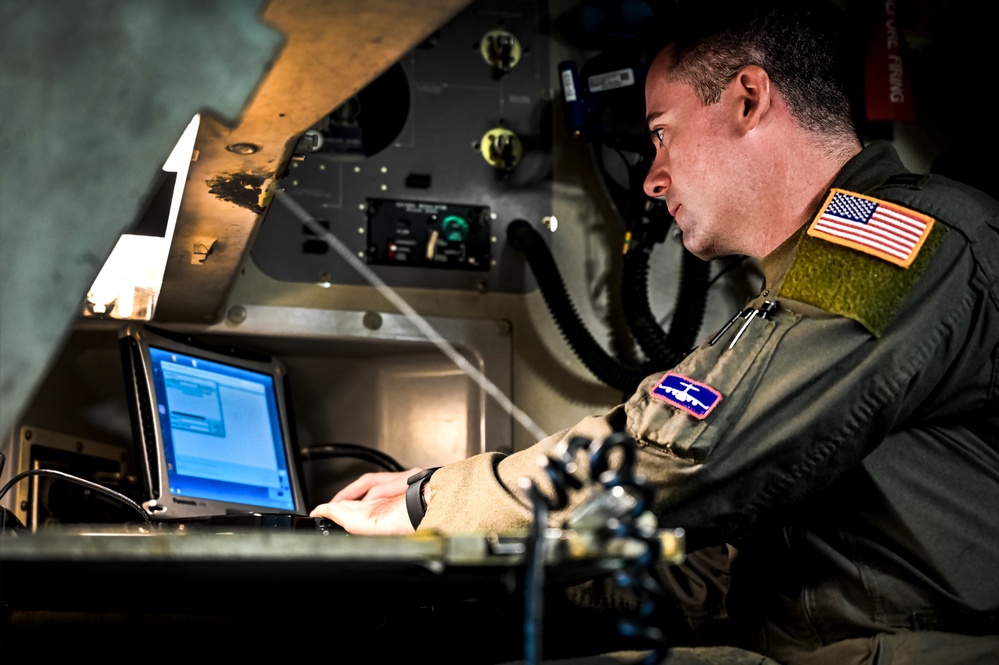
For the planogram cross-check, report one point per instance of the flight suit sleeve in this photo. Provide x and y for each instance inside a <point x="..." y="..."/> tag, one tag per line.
<point x="486" y="493"/>
<point x="806" y="394"/>
<point x="802" y="395"/>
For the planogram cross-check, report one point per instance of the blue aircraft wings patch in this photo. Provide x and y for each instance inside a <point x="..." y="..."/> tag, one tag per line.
<point x="697" y="399"/>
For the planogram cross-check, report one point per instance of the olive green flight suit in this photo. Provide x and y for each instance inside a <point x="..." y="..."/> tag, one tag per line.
<point x="852" y="459"/>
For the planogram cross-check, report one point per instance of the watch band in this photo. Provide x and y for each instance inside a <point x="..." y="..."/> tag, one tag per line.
<point x="415" y="505"/>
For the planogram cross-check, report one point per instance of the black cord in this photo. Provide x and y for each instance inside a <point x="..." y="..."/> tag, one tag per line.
<point x="636" y="575"/>
<point x="664" y="349"/>
<point x="534" y="578"/>
<point x="331" y="450"/>
<point x="648" y="222"/>
<point x="729" y="267"/>
<point x="522" y="236"/>
<point x="80" y="481"/>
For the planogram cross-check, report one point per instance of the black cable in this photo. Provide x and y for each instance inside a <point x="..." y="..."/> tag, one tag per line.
<point x="534" y="578"/>
<point x="648" y="221"/>
<point x="331" y="450"/>
<point x="620" y="196"/>
<point x="637" y="575"/>
<point x="663" y="349"/>
<point x="734" y="263"/>
<point x="522" y="236"/>
<point x="79" y="481"/>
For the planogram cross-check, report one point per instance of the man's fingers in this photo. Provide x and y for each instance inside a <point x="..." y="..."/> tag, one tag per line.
<point x="389" y="489"/>
<point x="348" y="514"/>
<point x="360" y="488"/>
<point x="369" y="517"/>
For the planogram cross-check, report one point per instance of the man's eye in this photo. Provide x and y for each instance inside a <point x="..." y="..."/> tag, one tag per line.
<point x="657" y="136"/>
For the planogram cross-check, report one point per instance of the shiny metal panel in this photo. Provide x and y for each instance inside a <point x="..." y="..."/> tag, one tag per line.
<point x="95" y="95"/>
<point x="372" y="379"/>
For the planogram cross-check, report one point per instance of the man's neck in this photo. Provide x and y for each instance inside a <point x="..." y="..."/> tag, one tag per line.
<point x="803" y="169"/>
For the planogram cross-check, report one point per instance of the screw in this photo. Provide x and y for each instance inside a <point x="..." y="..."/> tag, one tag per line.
<point x="236" y="314"/>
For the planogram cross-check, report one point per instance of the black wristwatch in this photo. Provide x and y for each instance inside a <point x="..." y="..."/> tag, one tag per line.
<point x="415" y="504"/>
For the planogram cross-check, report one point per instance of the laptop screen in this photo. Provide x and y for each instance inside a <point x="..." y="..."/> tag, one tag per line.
<point x="213" y="426"/>
<point x="221" y="430"/>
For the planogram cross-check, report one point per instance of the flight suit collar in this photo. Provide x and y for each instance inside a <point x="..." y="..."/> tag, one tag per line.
<point x="869" y="168"/>
<point x="776" y="263"/>
<point x="863" y="172"/>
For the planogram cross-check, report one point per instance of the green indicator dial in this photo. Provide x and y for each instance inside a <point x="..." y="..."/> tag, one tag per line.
<point x="454" y="228"/>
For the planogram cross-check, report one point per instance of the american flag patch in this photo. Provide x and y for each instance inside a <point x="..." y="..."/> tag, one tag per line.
<point x="697" y="399"/>
<point x="875" y="227"/>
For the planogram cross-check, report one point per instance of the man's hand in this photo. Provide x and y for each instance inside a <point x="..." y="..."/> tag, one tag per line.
<point x="374" y="504"/>
<point x="383" y="516"/>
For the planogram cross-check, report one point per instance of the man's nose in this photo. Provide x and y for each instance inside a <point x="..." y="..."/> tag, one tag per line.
<point x="658" y="181"/>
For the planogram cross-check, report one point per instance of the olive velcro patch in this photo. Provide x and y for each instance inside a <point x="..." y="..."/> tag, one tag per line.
<point x="886" y="230"/>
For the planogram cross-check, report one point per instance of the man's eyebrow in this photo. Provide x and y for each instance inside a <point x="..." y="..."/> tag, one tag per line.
<point x="652" y="116"/>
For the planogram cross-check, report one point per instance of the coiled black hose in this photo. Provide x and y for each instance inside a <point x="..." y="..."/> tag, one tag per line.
<point x="663" y="350"/>
<point x="522" y="237"/>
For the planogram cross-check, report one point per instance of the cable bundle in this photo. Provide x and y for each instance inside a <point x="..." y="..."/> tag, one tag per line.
<point x="620" y="510"/>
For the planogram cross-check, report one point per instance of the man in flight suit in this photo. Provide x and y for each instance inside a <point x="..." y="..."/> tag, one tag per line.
<point x="843" y="433"/>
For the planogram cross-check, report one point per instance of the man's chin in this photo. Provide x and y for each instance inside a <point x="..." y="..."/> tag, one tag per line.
<point x="700" y="251"/>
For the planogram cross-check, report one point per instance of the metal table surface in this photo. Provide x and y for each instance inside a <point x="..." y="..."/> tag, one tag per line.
<point x="110" y="568"/>
<point x="126" y="588"/>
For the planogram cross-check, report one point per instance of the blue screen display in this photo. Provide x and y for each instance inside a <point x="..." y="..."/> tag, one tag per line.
<point x="221" y="431"/>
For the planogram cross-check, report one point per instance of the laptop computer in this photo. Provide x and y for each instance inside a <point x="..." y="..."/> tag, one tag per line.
<point x="212" y="431"/>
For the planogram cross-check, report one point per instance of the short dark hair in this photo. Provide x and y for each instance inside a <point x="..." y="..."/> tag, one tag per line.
<point x="805" y="46"/>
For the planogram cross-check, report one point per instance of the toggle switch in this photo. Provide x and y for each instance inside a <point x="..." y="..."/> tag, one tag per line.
<point x="501" y="148"/>
<point x="501" y="50"/>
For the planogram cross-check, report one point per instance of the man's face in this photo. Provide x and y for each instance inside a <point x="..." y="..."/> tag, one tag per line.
<point x="696" y="169"/>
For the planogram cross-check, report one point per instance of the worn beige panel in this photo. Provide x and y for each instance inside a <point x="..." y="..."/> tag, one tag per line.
<point x="93" y="97"/>
<point x="333" y="50"/>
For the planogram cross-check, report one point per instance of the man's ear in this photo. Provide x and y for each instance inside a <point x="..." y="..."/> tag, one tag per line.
<point x="750" y="94"/>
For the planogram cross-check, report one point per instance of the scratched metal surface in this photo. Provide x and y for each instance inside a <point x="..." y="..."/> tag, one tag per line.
<point x="333" y="50"/>
<point x="94" y="97"/>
